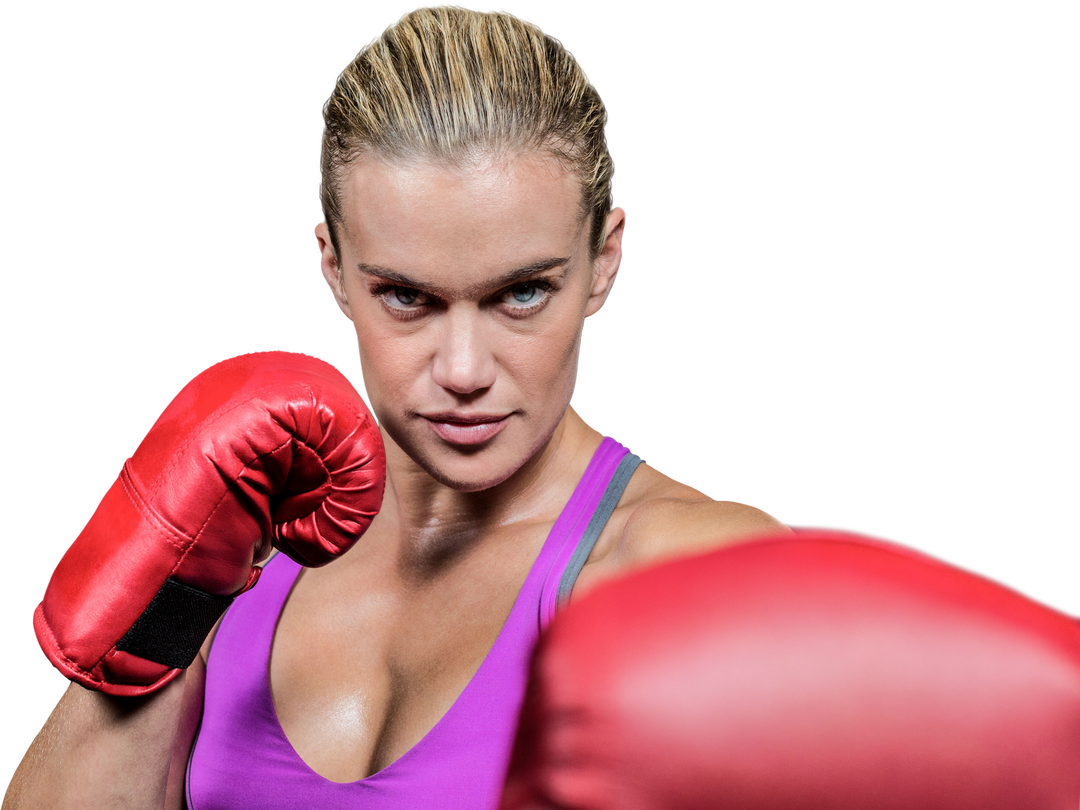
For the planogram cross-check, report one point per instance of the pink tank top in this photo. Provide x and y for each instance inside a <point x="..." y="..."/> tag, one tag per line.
<point x="242" y="759"/>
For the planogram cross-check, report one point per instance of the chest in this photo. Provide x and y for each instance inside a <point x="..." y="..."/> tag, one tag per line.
<point x="370" y="654"/>
<point x="364" y="663"/>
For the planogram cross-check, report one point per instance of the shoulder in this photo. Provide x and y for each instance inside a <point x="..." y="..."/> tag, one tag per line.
<point x="659" y="519"/>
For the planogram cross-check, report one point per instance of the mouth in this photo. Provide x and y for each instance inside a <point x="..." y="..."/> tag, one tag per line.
<point x="466" y="428"/>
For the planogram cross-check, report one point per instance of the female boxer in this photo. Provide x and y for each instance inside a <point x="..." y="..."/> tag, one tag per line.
<point x="468" y="233"/>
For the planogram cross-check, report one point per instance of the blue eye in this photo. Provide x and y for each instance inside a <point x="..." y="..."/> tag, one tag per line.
<point x="518" y="300"/>
<point x="525" y="295"/>
<point x="402" y="297"/>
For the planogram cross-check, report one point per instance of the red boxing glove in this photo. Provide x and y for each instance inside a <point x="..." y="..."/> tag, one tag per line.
<point x="820" y="672"/>
<point x="262" y="449"/>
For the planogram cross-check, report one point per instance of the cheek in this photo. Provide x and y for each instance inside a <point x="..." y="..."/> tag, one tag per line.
<point x="546" y="365"/>
<point x="553" y="351"/>
<point x="390" y="365"/>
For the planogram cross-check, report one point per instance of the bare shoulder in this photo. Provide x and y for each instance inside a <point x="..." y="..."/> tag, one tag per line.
<point x="659" y="518"/>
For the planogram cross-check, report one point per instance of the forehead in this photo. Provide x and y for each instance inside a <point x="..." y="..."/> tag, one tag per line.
<point x="461" y="221"/>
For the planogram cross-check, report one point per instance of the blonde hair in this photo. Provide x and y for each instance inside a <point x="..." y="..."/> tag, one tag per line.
<point x="450" y="84"/>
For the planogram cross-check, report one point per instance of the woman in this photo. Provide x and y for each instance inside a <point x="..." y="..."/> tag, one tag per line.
<point x="468" y="233"/>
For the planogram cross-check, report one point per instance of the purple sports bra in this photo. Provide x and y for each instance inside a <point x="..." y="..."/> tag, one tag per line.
<point x="242" y="759"/>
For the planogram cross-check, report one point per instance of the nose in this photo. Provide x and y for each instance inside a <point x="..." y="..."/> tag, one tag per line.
<point x="464" y="362"/>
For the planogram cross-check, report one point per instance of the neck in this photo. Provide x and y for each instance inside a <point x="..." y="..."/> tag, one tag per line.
<point x="435" y="523"/>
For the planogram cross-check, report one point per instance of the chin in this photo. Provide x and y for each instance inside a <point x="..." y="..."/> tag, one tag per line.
<point x="472" y="472"/>
<point x="476" y="468"/>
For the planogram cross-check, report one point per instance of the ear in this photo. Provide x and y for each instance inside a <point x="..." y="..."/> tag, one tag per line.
<point x="331" y="270"/>
<point x="607" y="263"/>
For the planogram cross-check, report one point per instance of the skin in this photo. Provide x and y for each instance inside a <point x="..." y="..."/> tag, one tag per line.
<point x="426" y="254"/>
<point x="468" y="287"/>
<point x="466" y="343"/>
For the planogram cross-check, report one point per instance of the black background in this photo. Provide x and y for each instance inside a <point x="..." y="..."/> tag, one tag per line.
<point x="811" y="315"/>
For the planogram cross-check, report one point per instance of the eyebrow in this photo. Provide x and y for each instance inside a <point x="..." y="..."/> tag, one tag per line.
<point x="507" y="278"/>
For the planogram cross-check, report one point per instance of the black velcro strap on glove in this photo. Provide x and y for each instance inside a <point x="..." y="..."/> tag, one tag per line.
<point x="174" y="625"/>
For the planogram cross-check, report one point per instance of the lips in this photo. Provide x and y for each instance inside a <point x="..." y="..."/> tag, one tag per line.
<point x="466" y="428"/>
<point x="455" y="417"/>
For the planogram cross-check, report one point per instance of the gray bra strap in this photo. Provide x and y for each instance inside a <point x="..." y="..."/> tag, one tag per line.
<point x="608" y="501"/>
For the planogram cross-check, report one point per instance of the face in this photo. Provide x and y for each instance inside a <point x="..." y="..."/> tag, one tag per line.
<point x="468" y="288"/>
